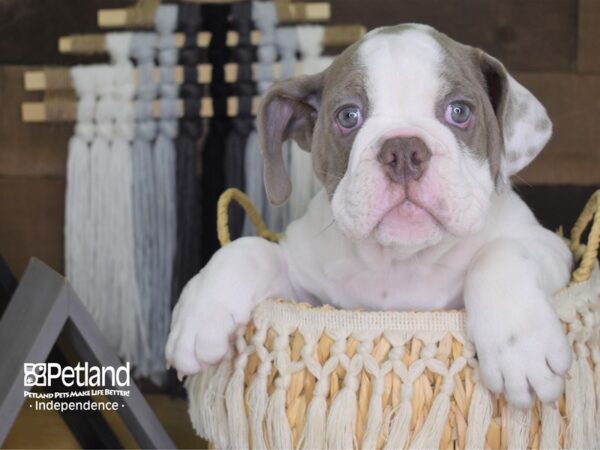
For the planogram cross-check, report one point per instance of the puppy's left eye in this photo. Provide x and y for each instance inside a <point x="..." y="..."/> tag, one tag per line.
<point x="458" y="114"/>
<point x="349" y="117"/>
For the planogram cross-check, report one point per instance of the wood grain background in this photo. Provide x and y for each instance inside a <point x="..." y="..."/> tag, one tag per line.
<point x="552" y="46"/>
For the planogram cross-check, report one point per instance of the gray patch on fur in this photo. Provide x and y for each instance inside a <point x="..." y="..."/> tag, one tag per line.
<point x="461" y="69"/>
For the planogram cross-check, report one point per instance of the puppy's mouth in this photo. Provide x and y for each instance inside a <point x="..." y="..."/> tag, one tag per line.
<point x="408" y="222"/>
<point x="409" y="211"/>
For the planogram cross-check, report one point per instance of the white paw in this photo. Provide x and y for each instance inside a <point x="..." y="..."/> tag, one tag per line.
<point x="200" y="329"/>
<point x="522" y="350"/>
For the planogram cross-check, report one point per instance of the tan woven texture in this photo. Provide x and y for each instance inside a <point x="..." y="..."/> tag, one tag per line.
<point x="304" y="377"/>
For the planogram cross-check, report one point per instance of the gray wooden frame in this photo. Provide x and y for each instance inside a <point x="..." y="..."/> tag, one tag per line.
<point x="43" y="307"/>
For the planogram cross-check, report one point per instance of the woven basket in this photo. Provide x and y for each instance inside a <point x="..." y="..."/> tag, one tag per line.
<point x="304" y="377"/>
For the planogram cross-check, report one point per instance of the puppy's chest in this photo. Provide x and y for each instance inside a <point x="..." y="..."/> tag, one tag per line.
<point x="394" y="287"/>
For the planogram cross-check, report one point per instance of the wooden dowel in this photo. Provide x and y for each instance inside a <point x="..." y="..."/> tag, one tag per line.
<point x="96" y="43"/>
<point x="288" y="12"/>
<point x="59" y="78"/>
<point x="334" y="36"/>
<point x="342" y="35"/>
<point x="66" y="111"/>
<point x="142" y="15"/>
<point x="40" y="80"/>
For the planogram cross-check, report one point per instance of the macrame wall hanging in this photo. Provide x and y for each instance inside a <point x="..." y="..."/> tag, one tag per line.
<point x="188" y="152"/>
<point x="99" y="220"/>
<point x="242" y="124"/>
<point x="160" y="132"/>
<point x="216" y="17"/>
<point x="264" y="16"/>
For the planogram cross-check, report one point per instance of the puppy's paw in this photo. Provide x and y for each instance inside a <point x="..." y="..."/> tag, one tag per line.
<point x="200" y="329"/>
<point x="523" y="353"/>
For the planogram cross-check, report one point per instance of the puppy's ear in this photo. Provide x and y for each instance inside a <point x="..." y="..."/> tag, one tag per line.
<point x="524" y="123"/>
<point x="289" y="110"/>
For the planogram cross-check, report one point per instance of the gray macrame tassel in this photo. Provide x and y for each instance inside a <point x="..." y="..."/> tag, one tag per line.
<point x="264" y="16"/>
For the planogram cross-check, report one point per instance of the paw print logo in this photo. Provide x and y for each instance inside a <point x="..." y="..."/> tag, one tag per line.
<point x="35" y="374"/>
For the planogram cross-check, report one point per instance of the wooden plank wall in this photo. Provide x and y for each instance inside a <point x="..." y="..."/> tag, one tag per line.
<point x="552" y="46"/>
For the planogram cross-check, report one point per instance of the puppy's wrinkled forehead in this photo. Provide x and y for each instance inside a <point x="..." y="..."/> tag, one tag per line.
<point x="403" y="69"/>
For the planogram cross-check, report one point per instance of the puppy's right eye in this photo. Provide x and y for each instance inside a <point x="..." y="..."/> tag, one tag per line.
<point x="349" y="117"/>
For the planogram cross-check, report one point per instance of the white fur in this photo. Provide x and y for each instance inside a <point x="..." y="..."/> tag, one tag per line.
<point x="447" y="241"/>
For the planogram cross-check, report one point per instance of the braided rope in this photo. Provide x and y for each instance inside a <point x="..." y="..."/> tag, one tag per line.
<point x="254" y="216"/>
<point x="590" y="214"/>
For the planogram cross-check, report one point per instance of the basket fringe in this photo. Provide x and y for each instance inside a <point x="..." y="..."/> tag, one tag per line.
<point x="258" y="399"/>
<point x="215" y="414"/>
<point x="551" y="421"/>
<point x="400" y="426"/>
<point x="341" y="422"/>
<point x="480" y="415"/>
<point x="236" y="409"/>
<point x="431" y="432"/>
<point x="313" y="435"/>
<point x="196" y="386"/>
<point x="581" y="431"/>
<point x="596" y="355"/>
<point x="375" y="414"/>
<point x="279" y="433"/>
<point x="519" y="421"/>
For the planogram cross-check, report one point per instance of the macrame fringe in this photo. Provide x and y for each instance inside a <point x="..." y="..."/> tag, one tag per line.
<point x="236" y="409"/>
<point x="341" y="421"/>
<point x="400" y="426"/>
<point x="581" y="406"/>
<point x="551" y="422"/>
<point x="519" y="422"/>
<point x="214" y="417"/>
<point x="258" y="399"/>
<point x="480" y="415"/>
<point x="279" y="434"/>
<point x="315" y="428"/>
<point x="431" y="432"/>
<point x="374" y="415"/>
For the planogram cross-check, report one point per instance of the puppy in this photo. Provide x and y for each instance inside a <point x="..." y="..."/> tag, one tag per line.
<point x="414" y="137"/>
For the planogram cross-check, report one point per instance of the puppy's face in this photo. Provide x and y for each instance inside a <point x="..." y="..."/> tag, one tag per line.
<point x="410" y="133"/>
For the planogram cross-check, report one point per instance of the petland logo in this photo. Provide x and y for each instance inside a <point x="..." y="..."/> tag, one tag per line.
<point x="81" y="375"/>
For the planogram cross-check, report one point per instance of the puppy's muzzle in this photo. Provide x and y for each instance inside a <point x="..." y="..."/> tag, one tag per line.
<point x="404" y="158"/>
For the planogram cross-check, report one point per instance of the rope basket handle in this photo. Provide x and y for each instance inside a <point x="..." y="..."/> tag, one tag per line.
<point x="590" y="214"/>
<point x="223" y="216"/>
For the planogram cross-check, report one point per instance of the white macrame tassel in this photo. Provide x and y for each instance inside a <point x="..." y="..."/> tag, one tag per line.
<point x="551" y="422"/>
<point x="341" y="420"/>
<point x="257" y="396"/>
<point x="78" y="245"/>
<point x="279" y="434"/>
<point x="480" y="415"/>
<point x="431" y="433"/>
<point x="203" y="417"/>
<point x="214" y="403"/>
<point x="400" y="426"/>
<point x="195" y="387"/>
<point x="375" y="413"/>
<point x="519" y="422"/>
<point x="581" y="402"/>
<point x="234" y="395"/>
<point x="315" y="428"/>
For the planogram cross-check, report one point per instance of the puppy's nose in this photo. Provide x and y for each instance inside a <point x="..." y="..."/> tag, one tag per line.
<point x="404" y="158"/>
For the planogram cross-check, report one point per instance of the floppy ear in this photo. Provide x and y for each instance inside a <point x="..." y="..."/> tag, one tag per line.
<point x="524" y="123"/>
<point x="288" y="110"/>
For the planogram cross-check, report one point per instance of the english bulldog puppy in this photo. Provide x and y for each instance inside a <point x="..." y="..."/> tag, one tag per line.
<point x="414" y="137"/>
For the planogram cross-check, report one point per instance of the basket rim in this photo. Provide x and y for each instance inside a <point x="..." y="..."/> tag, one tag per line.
<point x="286" y="313"/>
